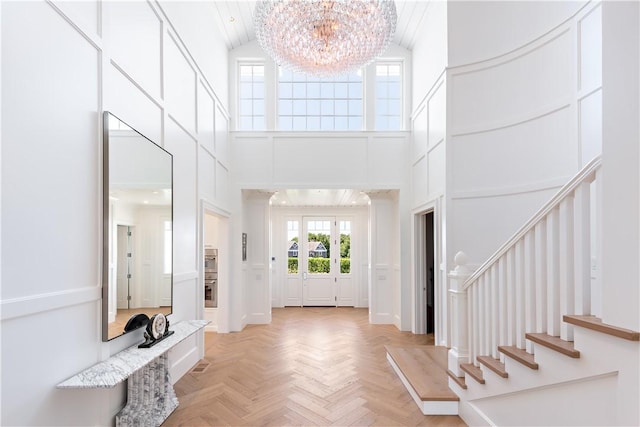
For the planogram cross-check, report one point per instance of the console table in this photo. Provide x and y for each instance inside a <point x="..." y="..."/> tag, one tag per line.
<point x="150" y="395"/>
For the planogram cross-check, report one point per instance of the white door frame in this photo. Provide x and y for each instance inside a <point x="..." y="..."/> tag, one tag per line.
<point x="420" y="274"/>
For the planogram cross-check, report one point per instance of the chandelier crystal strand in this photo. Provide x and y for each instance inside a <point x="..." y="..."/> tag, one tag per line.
<point x="324" y="37"/>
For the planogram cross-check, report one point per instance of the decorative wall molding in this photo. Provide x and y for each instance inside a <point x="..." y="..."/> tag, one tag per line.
<point x="180" y="43"/>
<point x="36" y="304"/>
<point x="552" y="184"/>
<point x="157" y="102"/>
<point x="94" y="39"/>
<point x="191" y="135"/>
<point x="422" y="105"/>
<point x="514" y="121"/>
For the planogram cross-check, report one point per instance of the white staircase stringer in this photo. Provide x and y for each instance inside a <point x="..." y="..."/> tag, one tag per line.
<point x="602" y="381"/>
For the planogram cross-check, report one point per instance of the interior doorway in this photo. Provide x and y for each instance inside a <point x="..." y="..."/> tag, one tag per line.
<point x="215" y="269"/>
<point x="124" y="266"/>
<point x="427" y="277"/>
<point x="429" y="283"/>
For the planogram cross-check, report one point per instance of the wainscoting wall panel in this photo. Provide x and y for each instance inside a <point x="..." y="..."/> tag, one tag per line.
<point x="135" y="36"/>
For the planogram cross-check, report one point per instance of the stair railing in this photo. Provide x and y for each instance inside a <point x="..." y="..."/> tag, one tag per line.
<point x="541" y="273"/>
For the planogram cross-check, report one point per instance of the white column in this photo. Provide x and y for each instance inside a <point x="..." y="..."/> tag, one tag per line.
<point x="459" y="352"/>
<point x="384" y="296"/>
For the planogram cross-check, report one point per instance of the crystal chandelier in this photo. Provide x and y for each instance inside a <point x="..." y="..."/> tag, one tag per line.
<point x="324" y="37"/>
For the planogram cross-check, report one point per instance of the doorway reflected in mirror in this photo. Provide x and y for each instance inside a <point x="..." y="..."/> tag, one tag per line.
<point x="138" y="227"/>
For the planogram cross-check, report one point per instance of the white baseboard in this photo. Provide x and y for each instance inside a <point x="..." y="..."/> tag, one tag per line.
<point x="184" y="364"/>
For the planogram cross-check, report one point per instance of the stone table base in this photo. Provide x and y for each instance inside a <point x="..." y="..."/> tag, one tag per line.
<point x="150" y="396"/>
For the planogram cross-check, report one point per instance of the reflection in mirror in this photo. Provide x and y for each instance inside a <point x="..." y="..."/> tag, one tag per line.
<point x="137" y="272"/>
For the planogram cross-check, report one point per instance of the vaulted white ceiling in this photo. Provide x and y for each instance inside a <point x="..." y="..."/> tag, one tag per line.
<point x="236" y="18"/>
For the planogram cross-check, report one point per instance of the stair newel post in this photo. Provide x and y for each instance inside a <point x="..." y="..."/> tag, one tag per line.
<point x="459" y="352"/>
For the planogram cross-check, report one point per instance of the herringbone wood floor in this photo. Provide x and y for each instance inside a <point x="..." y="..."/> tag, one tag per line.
<point x="310" y="366"/>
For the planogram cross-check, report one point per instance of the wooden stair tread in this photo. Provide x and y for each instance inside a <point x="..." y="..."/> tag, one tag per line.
<point x="458" y="380"/>
<point x="425" y="367"/>
<point x="494" y="364"/>
<point x="519" y="355"/>
<point x="595" y="323"/>
<point x="473" y="371"/>
<point x="554" y="343"/>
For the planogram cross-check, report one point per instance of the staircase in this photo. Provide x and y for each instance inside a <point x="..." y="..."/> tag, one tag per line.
<point x="527" y="345"/>
<point x="527" y="348"/>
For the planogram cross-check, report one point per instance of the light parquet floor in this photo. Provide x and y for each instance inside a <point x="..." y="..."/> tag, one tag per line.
<point x="310" y="366"/>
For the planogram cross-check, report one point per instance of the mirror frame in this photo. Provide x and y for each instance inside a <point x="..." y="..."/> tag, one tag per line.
<point x="106" y="238"/>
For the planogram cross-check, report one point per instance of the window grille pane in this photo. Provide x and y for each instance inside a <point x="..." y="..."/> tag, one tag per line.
<point x="285" y="107"/>
<point x="299" y="107"/>
<point x="313" y="90"/>
<point x="341" y="107"/>
<point x="388" y="96"/>
<point x="318" y="100"/>
<point x="313" y="123"/>
<point x="342" y="123"/>
<point x="313" y="107"/>
<point x="299" y="123"/>
<point x="251" y="97"/>
<point x="285" y="122"/>
<point x="327" y="107"/>
<point x="355" y="123"/>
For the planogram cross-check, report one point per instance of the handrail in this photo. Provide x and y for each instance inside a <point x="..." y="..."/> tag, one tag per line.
<point x="567" y="189"/>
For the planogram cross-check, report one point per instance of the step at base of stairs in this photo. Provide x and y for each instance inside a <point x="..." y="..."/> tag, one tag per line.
<point x="494" y="364"/>
<point x="473" y="371"/>
<point x="458" y="380"/>
<point x="518" y="355"/>
<point x="554" y="343"/>
<point x="422" y="370"/>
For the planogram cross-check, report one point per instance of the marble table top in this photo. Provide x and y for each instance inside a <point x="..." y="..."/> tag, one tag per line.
<point x="120" y="366"/>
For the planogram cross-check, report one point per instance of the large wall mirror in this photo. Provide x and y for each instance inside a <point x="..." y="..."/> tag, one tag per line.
<point x="137" y="274"/>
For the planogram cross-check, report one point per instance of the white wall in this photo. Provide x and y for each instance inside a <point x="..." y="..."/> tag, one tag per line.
<point x="278" y="160"/>
<point x="621" y="188"/>
<point x="63" y="63"/>
<point x="520" y="121"/>
<point x="428" y="156"/>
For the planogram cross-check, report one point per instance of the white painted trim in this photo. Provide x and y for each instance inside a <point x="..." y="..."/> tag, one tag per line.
<point x="183" y="277"/>
<point x="184" y="364"/>
<point x="551" y="184"/>
<point x="427" y="407"/>
<point x="471" y="415"/>
<point x="37" y="304"/>
<point x="526" y="117"/>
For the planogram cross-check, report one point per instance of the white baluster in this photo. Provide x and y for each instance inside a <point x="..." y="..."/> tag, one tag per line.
<point x="487" y="313"/>
<point x="596" y="290"/>
<point x="482" y="313"/>
<point x="553" y="274"/>
<point x="503" y="302"/>
<point x="529" y="286"/>
<point x="582" y="248"/>
<point x="495" y="310"/>
<point x="511" y="297"/>
<point x="519" y="279"/>
<point x="475" y="345"/>
<point x="541" y="276"/>
<point x="567" y="283"/>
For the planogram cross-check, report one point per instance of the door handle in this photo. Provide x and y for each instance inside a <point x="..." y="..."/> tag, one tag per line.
<point x="304" y="276"/>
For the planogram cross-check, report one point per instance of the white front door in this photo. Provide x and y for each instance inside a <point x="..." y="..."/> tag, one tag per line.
<point x="319" y="254"/>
